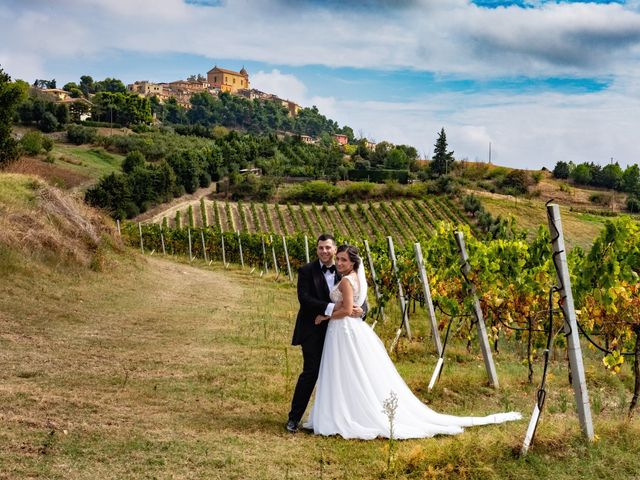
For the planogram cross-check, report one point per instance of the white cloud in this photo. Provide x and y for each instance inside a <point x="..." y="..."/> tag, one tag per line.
<point x="527" y="131"/>
<point x="452" y="36"/>
<point x="284" y="85"/>
<point x="443" y="37"/>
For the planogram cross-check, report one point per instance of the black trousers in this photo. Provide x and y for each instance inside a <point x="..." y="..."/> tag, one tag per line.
<point x="311" y="356"/>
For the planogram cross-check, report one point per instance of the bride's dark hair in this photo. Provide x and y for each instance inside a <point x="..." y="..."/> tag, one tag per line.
<point x="353" y="254"/>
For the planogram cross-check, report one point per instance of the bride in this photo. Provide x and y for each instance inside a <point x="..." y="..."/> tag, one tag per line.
<point x="357" y="376"/>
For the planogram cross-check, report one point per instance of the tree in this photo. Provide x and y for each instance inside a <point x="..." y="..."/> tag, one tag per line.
<point x="86" y="85"/>
<point x="112" y="85"/>
<point x="631" y="179"/>
<point x="442" y="159"/>
<point x="397" y="159"/>
<point x="39" y="83"/>
<point x="49" y="122"/>
<point x="516" y="182"/>
<point x="11" y="95"/>
<point x="133" y="160"/>
<point x="561" y="170"/>
<point x="611" y="176"/>
<point x="582" y="174"/>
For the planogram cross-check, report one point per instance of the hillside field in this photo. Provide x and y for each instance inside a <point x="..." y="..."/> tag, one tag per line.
<point x="118" y="365"/>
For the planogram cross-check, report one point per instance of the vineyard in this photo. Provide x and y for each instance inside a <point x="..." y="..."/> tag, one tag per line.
<point x="406" y="220"/>
<point x="508" y="285"/>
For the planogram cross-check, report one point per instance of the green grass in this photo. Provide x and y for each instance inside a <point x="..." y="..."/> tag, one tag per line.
<point x="140" y="372"/>
<point x="94" y="162"/>
<point x="579" y="229"/>
<point x="16" y="190"/>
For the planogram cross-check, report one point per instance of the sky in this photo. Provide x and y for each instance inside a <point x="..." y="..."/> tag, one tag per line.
<point x="533" y="81"/>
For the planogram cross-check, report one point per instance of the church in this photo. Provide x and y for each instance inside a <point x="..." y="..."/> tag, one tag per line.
<point x="228" y="80"/>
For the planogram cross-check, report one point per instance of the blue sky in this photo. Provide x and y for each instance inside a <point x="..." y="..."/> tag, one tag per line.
<point x="542" y="81"/>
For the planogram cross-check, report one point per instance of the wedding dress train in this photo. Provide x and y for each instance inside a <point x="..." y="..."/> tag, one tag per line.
<point x="357" y="376"/>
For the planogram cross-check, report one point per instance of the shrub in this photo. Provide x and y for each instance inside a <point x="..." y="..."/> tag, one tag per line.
<point x="472" y="204"/>
<point x="536" y="177"/>
<point x="315" y="191"/>
<point x="358" y="191"/>
<point x="516" y="182"/>
<point x="133" y="160"/>
<point x="603" y="199"/>
<point x="47" y="144"/>
<point x="78" y="134"/>
<point x="31" y="142"/>
<point x="49" y="122"/>
<point x="633" y="204"/>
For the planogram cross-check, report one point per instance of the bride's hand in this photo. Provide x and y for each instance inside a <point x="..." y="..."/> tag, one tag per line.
<point x="320" y="319"/>
<point x="356" y="312"/>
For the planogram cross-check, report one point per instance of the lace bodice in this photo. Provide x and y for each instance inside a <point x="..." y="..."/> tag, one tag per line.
<point x="336" y="295"/>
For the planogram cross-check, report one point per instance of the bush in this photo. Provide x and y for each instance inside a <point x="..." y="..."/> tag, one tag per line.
<point x="472" y="204"/>
<point x="315" y="191"/>
<point x="603" y="199"/>
<point x="47" y="144"/>
<point x="253" y="187"/>
<point x="516" y="182"/>
<point x="536" y="177"/>
<point x="633" y="204"/>
<point x="78" y="134"/>
<point x="358" y="191"/>
<point x="49" y="122"/>
<point x="133" y="160"/>
<point x="31" y="142"/>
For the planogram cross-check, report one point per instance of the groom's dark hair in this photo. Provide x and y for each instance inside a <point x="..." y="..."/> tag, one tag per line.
<point x="324" y="237"/>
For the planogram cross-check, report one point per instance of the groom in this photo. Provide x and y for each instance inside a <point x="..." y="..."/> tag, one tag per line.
<point x="315" y="281"/>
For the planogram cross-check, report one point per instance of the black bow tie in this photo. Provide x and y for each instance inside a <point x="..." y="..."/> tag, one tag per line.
<point x="332" y="269"/>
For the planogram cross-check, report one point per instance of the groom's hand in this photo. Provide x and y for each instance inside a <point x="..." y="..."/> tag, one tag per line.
<point x="320" y="319"/>
<point x="356" y="312"/>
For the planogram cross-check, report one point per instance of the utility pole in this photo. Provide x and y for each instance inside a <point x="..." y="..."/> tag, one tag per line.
<point x="489" y="152"/>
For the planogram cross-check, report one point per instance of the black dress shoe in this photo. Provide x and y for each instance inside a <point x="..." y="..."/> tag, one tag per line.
<point x="292" y="427"/>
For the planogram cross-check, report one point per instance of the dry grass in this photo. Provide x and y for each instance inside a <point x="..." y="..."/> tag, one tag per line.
<point x="579" y="229"/>
<point x="40" y="219"/>
<point x="154" y="368"/>
<point x="157" y="369"/>
<point x="54" y="174"/>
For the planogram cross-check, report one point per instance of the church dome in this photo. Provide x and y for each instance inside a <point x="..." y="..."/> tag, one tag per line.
<point x="243" y="72"/>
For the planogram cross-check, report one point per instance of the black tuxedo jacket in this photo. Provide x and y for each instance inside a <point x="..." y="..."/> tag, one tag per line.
<point x="313" y="295"/>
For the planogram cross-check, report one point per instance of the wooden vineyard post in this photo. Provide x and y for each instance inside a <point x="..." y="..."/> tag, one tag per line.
<point x="574" y="350"/>
<point x="376" y="289"/>
<point x="204" y="247"/>
<point x="275" y="259"/>
<point x="224" y="252"/>
<point x="264" y="257"/>
<point x="141" y="243"/>
<point x="286" y="256"/>
<point x="240" y="248"/>
<point x="477" y="313"/>
<point x="403" y="306"/>
<point x="164" y="251"/>
<point x="118" y="227"/>
<point x="190" y="254"/>
<point x="306" y="248"/>
<point x="427" y="298"/>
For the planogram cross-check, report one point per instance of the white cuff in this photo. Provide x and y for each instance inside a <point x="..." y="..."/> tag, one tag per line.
<point x="329" y="310"/>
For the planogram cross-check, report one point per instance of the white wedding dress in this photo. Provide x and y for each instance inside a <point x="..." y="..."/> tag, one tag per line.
<point x="357" y="376"/>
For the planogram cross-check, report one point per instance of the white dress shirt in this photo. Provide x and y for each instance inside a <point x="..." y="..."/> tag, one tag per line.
<point x="330" y="278"/>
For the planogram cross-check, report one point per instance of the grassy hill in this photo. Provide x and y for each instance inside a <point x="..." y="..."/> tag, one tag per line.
<point x="77" y="167"/>
<point x="122" y="366"/>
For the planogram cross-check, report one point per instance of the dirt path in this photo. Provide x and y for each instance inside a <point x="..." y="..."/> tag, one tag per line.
<point x="155" y="214"/>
